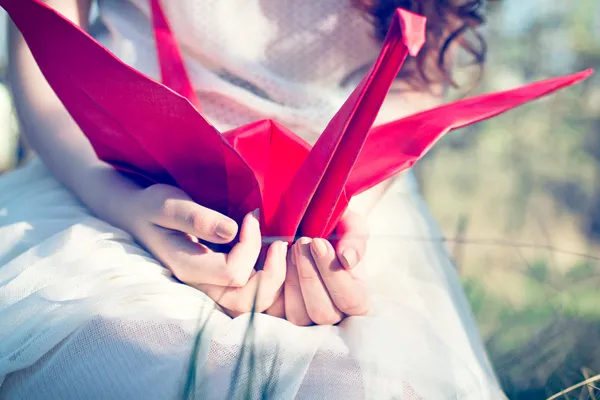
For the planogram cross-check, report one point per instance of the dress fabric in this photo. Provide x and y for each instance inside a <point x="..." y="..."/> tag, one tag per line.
<point x="86" y="313"/>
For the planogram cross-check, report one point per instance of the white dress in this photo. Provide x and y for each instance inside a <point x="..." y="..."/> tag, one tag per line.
<point x="85" y="313"/>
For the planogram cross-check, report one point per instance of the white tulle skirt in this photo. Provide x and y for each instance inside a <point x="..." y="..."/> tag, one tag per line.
<point x="87" y="314"/>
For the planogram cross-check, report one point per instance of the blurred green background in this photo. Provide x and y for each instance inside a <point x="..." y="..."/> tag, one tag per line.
<point x="518" y="199"/>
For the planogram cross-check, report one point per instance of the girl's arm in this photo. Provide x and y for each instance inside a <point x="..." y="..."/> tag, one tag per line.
<point x="51" y="131"/>
<point x="160" y="217"/>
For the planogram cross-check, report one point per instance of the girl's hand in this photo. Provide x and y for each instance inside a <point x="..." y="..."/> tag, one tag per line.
<point x="323" y="284"/>
<point x="169" y="224"/>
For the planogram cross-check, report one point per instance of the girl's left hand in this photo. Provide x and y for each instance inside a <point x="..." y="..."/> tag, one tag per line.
<point x="326" y="283"/>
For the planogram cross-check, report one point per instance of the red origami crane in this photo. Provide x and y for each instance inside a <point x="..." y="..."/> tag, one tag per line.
<point x="156" y="133"/>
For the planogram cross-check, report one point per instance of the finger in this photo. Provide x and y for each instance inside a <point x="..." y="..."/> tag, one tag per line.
<point x="175" y="210"/>
<point x="318" y="303"/>
<point x="221" y="291"/>
<point x="262" y="289"/>
<point x="352" y="243"/>
<point x="277" y="309"/>
<point x="194" y="263"/>
<point x="295" y="310"/>
<point x="348" y="289"/>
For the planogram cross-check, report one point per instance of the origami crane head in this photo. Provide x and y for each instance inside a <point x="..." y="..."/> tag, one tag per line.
<point x="155" y="132"/>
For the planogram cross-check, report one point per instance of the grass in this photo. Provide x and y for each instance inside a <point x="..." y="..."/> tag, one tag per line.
<point x="586" y="386"/>
<point x="542" y="343"/>
<point x="242" y="383"/>
<point x="518" y="194"/>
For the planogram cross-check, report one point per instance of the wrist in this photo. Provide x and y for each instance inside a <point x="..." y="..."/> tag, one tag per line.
<point x="108" y="194"/>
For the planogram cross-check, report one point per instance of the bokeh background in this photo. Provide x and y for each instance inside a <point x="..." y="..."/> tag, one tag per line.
<point x="518" y="199"/>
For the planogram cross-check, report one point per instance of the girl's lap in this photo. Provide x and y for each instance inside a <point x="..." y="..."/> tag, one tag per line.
<point x="85" y="310"/>
<point x="83" y="306"/>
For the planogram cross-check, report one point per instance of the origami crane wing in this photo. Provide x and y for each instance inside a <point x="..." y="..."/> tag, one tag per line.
<point x="133" y="122"/>
<point x="396" y="146"/>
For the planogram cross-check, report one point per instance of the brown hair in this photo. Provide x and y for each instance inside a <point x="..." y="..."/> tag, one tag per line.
<point x="449" y="23"/>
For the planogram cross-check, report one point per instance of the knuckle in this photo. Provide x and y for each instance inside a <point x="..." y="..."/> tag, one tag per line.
<point x="306" y="273"/>
<point x="267" y="296"/>
<point x="324" y="317"/>
<point x="196" y="221"/>
<point x="233" y="277"/>
<point x="299" y="320"/>
<point x="159" y="193"/>
<point x="166" y="207"/>
<point x="351" y="305"/>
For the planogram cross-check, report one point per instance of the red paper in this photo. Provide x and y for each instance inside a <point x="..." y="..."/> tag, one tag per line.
<point x="155" y="132"/>
<point x="172" y="69"/>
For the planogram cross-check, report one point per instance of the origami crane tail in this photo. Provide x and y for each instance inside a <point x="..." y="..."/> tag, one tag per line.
<point x="313" y="199"/>
<point x="396" y="146"/>
<point x="132" y="121"/>
<point x="172" y="67"/>
<point x="275" y="154"/>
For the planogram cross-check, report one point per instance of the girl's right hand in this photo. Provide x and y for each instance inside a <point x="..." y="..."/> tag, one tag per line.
<point x="168" y="223"/>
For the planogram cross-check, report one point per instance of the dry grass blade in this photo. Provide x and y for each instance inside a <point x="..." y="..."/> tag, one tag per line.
<point x="250" y="354"/>
<point x="270" y="386"/>
<point x="189" y="388"/>
<point x="590" y="387"/>
<point x="588" y="381"/>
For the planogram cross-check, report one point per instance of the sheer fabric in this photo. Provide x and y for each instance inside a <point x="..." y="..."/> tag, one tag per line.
<point x="86" y="313"/>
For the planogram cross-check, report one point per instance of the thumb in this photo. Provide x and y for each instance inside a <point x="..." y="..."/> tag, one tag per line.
<point x="353" y="234"/>
<point x="173" y="209"/>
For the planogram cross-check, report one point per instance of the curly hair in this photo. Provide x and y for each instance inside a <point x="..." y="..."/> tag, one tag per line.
<point x="449" y="23"/>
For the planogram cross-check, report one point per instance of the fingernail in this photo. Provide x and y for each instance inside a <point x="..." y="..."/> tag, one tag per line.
<point x="256" y="214"/>
<point x="304" y="248"/>
<point x="348" y="258"/>
<point x="282" y="247"/>
<point x="319" y="247"/>
<point x="226" y="228"/>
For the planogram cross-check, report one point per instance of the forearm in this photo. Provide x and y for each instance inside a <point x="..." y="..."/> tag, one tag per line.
<point x="44" y="121"/>
<point x="51" y="131"/>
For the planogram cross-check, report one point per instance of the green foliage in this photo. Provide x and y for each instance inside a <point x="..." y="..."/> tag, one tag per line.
<point x="528" y="182"/>
<point x="543" y="343"/>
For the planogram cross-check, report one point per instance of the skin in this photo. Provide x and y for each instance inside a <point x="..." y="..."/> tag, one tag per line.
<point x="310" y="282"/>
